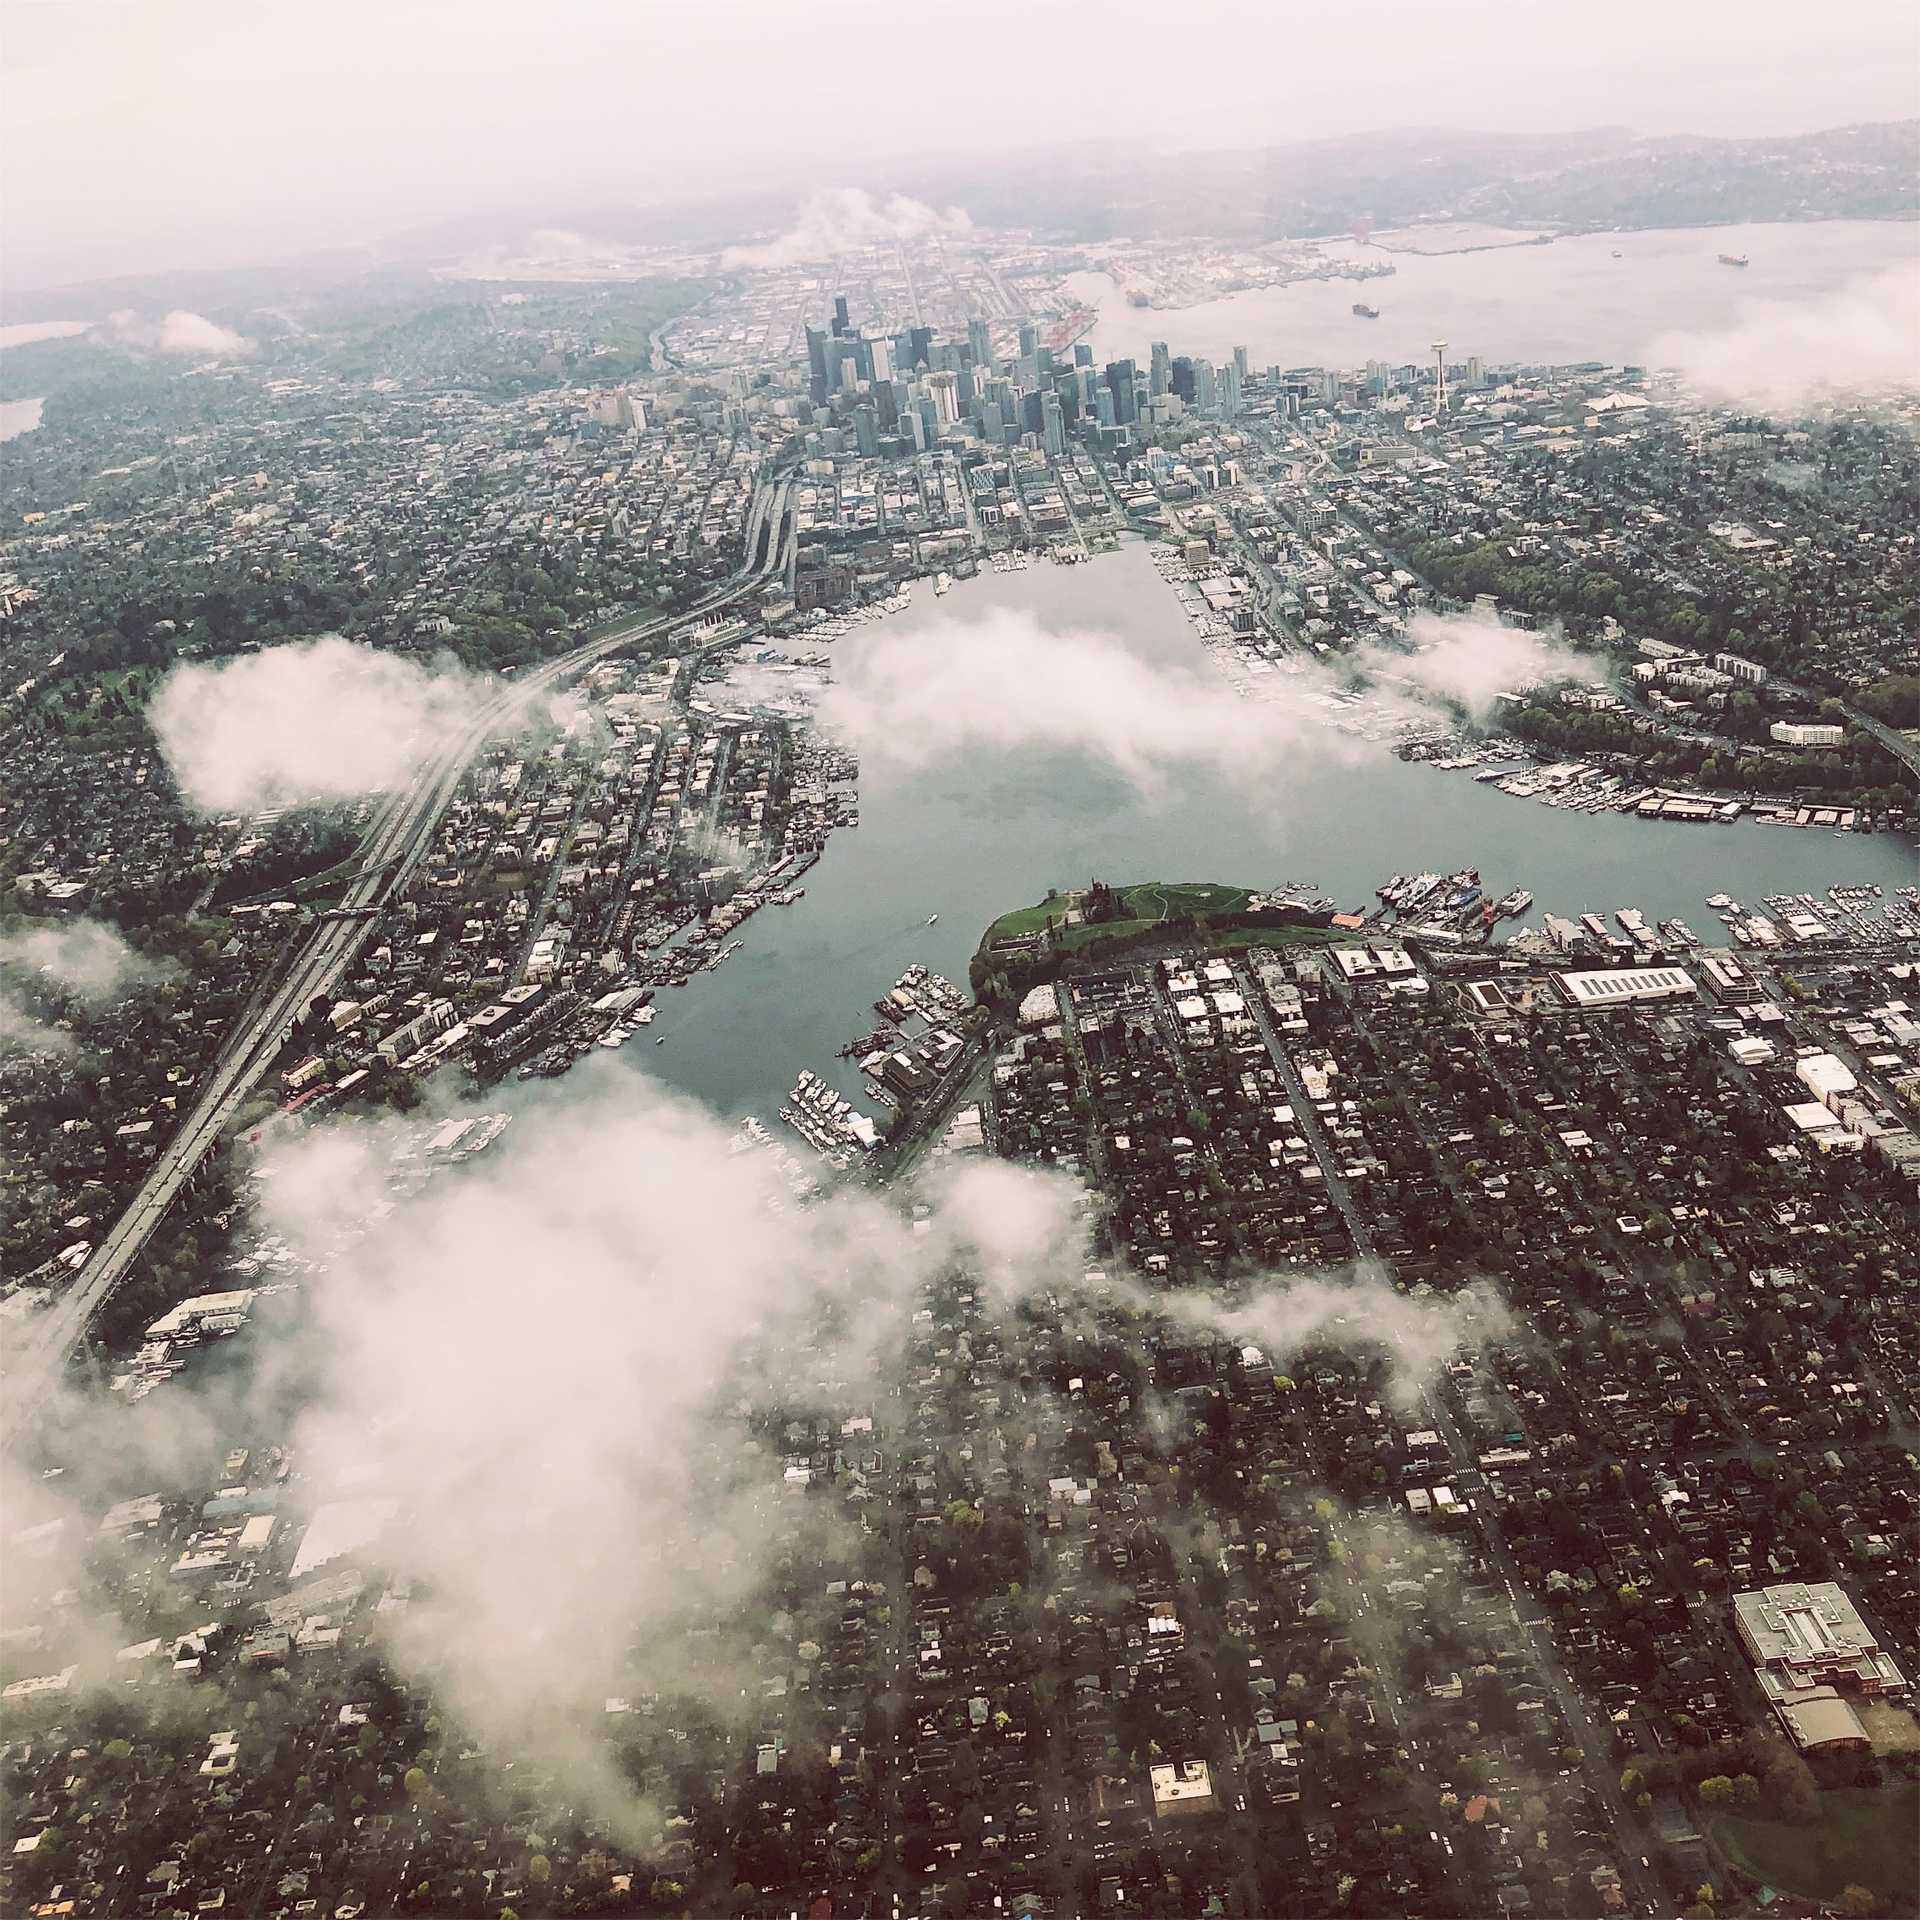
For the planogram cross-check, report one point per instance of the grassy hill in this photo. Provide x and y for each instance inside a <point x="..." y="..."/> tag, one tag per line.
<point x="1861" y="1838"/>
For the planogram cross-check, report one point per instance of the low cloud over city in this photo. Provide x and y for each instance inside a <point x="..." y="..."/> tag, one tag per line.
<point x="845" y="219"/>
<point x="315" y="721"/>
<point x="1820" y="351"/>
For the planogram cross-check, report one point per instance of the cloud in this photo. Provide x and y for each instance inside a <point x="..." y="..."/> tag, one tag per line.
<point x="1471" y="662"/>
<point x="77" y="964"/>
<point x="1798" y="357"/>
<point x="190" y="335"/>
<point x="310" y="722"/>
<point x="1005" y="684"/>
<point x="548" y="1367"/>
<point x="845" y="219"/>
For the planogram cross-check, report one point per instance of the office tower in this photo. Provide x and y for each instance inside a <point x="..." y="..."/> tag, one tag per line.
<point x="842" y="326"/>
<point x="1103" y="408"/>
<point x="862" y="357"/>
<point x="942" y="388"/>
<point x="920" y="347"/>
<point x="1033" y="411"/>
<point x="1126" y="406"/>
<point x="1053" y="425"/>
<point x="993" y="425"/>
<point x="1082" y="354"/>
<point x="879" y="359"/>
<point x="1160" y="371"/>
<point x="1181" y="381"/>
<point x="1476" y="376"/>
<point x="914" y="421"/>
<point x="886" y="401"/>
<point x="1206" y="389"/>
<point x="817" y="366"/>
<point x="980" y="341"/>
<point x="1240" y="364"/>
<point x="866" y="431"/>
<point x="1230" y="392"/>
<point x="1029" y="339"/>
<point x="1043" y="362"/>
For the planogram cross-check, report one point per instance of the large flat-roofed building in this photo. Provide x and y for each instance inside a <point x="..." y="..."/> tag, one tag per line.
<point x="1727" y="980"/>
<point x="1624" y="986"/>
<point x="1180" y="1792"/>
<point x="1810" y="1650"/>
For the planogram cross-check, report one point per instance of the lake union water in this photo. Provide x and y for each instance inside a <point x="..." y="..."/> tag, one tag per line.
<point x="971" y="836"/>
<point x="1570" y="300"/>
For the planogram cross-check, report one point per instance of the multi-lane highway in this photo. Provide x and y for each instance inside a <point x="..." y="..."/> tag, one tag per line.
<point x="399" y="835"/>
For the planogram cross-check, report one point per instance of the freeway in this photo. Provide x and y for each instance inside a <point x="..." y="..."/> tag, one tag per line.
<point x="395" y="842"/>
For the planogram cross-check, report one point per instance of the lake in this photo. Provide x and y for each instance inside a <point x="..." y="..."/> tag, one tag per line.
<point x="970" y="838"/>
<point x="1568" y="301"/>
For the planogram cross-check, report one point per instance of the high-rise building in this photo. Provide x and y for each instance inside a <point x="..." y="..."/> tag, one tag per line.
<point x="1126" y="405"/>
<point x="1029" y="339"/>
<point x="842" y="326"/>
<point x="1476" y="377"/>
<point x="817" y="366"/>
<point x="920" y="347"/>
<point x="879" y="359"/>
<point x="980" y="341"/>
<point x="1230" y="392"/>
<point x="1159" y="371"/>
<point x="1082" y="354"/>
<point x="942" y="388"/>
<point x="1240" y="364"/>
<point x="866" y="431"/>
<point x="1206" y="389"/>
<point x="1053" y="425"/>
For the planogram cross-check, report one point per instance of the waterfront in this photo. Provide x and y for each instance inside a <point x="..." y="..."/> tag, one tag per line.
<point x="1568" y="301"/>
<point x="969" y="838"/>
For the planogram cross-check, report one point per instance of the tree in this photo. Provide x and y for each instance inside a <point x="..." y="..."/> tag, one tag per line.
<point x="415" y="1782"/>
<point x="539" y="1869"/>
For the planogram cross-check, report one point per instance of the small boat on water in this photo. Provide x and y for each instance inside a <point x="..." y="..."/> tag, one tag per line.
<point x="1733" y="259"/>
<point x="1362" y="311"/>
<point x="942" y="582"/>
<point x="931" y="918"/>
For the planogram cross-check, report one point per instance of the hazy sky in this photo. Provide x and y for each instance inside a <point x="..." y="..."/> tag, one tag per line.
<point x="141" y="134"/>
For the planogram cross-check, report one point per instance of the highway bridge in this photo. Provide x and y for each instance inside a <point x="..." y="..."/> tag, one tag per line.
<point x="399" y="835"/>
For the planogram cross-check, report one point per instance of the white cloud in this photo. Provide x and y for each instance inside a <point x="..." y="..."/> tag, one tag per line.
<point x="845" y="219"/>
<point x="1797" y="357"/>
<point x="1472" y="661"/>
<point x="188" y="335"/>
<point x="192" y="333"/>
<point x="309" y="722"/>
<point x="547" y="1365"/>
<point x="1006" y="684"/>
<point x="79" y="964"/>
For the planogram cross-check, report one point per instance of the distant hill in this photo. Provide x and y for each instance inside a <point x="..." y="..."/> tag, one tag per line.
<point x="1598" y="177"/>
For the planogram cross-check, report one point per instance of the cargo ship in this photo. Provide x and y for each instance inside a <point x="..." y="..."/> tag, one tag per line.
<point x="1361" y="311"/>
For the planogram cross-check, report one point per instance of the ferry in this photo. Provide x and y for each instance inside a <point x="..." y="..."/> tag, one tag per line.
<point x="1361" y="311"/>
<point x="942" y="582"/>
<point x="1518" y="901"/>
